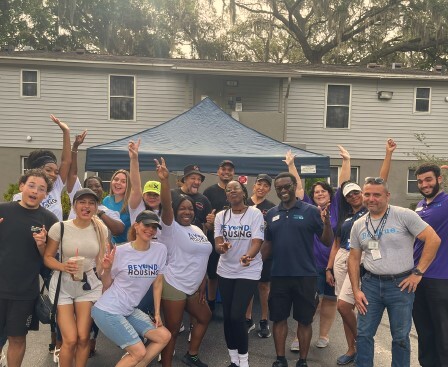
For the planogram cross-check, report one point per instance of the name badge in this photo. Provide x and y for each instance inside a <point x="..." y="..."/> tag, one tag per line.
<point x="373" y="245"/>
<point x="376" y="254"/>
<point x="277" y="217"/>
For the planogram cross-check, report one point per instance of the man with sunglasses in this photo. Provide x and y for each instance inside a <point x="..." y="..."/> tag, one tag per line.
<point x="290" y="230"/>
<point x="386" y="237"/>
<point x="430" y="310"/>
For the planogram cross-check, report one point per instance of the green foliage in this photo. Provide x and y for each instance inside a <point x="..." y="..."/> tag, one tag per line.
<point x="12" y="190"/>
<point x="310" y="182"/>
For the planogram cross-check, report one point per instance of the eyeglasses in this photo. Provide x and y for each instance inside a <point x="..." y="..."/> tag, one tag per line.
<point x="86" y="286"/>
<point x="374" y="180"/>
<point x="40" y="189"/>
<point x="352" y="194"/>
<point x="284" y="187"/>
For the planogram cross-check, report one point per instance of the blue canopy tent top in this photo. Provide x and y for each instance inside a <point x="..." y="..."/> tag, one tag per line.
<point x="205" y="135"/>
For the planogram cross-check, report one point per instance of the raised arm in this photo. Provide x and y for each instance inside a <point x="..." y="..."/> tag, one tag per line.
<point x="73" y="172"/>
<point x="134" y="172"/>
<point x="292" y="169"/>
<point x="346" y="165"/>
<point x="64" y="165"/>
<point x="385" y="168"/>
<point x="165" y="192"/>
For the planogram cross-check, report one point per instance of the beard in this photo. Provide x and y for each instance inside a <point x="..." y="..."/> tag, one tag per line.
<point x="434" y="192"/>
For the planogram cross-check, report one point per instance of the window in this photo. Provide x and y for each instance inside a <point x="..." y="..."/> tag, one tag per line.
<point x="105" y="177"/>
<point x="338" y="106"/>
<point x="422" y="99"/>
<point x="30" y="83"/>
<point x="121" y="97"/>
<point x="23" y="168"/>
<point x="412" y="182"/>
<point x="336" y="170"/>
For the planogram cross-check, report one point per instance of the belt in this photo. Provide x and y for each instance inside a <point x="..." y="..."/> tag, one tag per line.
<point x="389" y="276"/>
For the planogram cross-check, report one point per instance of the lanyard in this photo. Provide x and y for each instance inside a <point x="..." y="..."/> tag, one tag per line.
<point x="379" y="230"/>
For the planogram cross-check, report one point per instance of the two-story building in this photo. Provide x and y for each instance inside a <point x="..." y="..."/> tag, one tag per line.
<point x="314" y="107"/>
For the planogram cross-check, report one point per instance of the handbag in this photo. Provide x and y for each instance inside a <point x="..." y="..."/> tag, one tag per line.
<point x="44" y="309"/>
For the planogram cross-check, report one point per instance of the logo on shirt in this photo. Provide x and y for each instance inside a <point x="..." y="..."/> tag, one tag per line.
<point x="198" y="238"/>
<point x="241" y="231"/>
<point x="143" y="270"/>
<point x="386" y="231"/>
<point x="48" y="202"/>
<point x="297" y="216"/>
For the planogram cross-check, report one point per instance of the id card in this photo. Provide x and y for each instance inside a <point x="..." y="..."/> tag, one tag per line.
<point x="376" y="254"/>
<point x="373" y="245"/>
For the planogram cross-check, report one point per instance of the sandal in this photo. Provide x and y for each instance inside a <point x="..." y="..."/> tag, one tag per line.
<point x="56" y="355"/>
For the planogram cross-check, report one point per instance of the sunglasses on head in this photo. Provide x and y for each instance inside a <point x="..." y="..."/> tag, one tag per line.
<point x="374" y="180"/>
<point x="86" y="286"/>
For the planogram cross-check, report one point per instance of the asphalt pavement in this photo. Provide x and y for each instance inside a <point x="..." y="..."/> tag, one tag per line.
<point x="214" y="352"/>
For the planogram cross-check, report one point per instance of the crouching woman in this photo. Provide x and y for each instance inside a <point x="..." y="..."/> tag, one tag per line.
<point x="128" y="272"/>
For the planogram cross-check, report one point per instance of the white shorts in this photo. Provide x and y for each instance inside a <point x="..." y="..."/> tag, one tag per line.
<point x="72" y="290"/>
<point x="343" y="287"/>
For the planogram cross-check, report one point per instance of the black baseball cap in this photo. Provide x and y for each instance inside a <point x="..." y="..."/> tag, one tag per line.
<point x="227" y="162"/>
<point x="84" y="192"/>
<point x="264" y="177"/>
<point x="148" y="217"/>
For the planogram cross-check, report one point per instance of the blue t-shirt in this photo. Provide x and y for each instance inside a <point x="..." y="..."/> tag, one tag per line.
<point x="109" y="201"/>
<point x="436" y="215"/>
<point x="291" y="232"/>
<point x="346" y="228"/>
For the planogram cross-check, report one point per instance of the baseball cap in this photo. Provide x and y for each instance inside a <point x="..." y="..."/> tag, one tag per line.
<point x="190" y="169"/>
<point x="148" y="217"/>
<point x="350" y="187"/>
<point x="227" y="162"/>
<point x="84" y="192"/>
<point x="264" y="177"/>
<point x="152" y="186"/>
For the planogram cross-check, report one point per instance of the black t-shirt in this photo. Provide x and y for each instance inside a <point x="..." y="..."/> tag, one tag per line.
<point x="264" y="206"/>
<point x="217" y="197"/>
<point x="20" y="260"/>
<point x="203" y="206"/>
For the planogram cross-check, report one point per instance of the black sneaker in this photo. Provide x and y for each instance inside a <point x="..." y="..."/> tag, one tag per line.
<point x="193" y="361"/>
<point x="280" y="363"/>
<point x="250" y="325"/>
<point x="51" y="348"/>
<point x="264" y="331"/>
<point x="232" y="365"/>
<point x="301" y="363"/>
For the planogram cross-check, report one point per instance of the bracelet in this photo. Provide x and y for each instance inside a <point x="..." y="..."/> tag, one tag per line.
<point x="74" y="151"/>
<point x="329" y="269"/>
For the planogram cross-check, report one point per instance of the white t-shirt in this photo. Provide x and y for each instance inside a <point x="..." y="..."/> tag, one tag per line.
<point x="52" y="201"/>
<point x="189" y="250"/>
<point x="132" y="272"/>
<point x="72" y="215"/>
<point x="239" y="230"/>
<point x="134" y="212"/>
<point x="78" y="241"/>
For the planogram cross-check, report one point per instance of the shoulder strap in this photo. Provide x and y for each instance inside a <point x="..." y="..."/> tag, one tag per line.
<point x="58" y="287"/>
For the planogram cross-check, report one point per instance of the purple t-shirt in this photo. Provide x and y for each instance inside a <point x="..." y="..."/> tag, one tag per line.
<point x="436" y="215"/>
<point x="322" y="252"/>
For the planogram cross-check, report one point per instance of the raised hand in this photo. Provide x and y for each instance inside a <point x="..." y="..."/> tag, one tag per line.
<point x="108" y="258"/>
<point x="62" y="125"/>
<point x="289" y="158"/>
<point x="325" y="213"/>
<point x="133" y="148"/>
<point x="343" y="152"/>
<point x="390" y="145"/>
<point x="210" y="218"/>
<point x="161" y="169"/>
<point x="79" y="139"/>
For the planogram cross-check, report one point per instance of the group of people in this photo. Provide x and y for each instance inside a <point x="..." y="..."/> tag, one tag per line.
<point x="130" y="264"/>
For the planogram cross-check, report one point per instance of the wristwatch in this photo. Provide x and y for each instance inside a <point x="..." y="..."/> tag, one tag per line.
<point x="417" y="271"/>
<point x="329" y="269"/>
<point x="100" y="213"/>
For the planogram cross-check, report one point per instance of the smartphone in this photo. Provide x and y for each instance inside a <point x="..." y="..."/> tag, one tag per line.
<point x="36" y="229"/>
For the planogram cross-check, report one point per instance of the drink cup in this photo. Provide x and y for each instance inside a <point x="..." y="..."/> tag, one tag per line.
<point x="80" y="262"/>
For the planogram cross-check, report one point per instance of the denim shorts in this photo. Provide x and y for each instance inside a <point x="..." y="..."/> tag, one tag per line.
<point x="323" y="287"/>
<point x="124" y="331"/>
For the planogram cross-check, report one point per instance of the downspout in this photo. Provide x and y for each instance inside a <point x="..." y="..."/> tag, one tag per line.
<point x="285" y="109"/>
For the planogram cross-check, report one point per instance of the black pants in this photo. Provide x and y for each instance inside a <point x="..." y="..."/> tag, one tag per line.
<point x="430" y="314"/>
<point x="235" y="295"/>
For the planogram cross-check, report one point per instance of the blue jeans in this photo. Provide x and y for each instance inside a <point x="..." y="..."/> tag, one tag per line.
<point x="385" y="294"/>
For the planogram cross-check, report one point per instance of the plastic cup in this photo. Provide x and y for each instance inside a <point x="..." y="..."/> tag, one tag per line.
<point x="80" y="262"/>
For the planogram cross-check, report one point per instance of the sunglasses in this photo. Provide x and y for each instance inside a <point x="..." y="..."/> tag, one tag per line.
<point x="352" y="194"/>
<point x="86" y="286"/>
<point x="374" y="180"/>
<point x="284" y="187"/>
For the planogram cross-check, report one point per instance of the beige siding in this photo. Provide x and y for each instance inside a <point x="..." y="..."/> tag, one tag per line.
<point x="80" y="97"/>
<point x="372" y="120"/>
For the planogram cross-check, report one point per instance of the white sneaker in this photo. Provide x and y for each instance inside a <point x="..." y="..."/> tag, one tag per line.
<point x="159" y="359"/>
<point x="322" y="343"/>
<point x="56" y="355"/>
<point x="2" y="360"/>
<point x="295" y="346"/>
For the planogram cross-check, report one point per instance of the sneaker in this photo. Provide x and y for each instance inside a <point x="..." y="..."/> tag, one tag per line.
<point x="2" y="360"/>
<point x="159" y="358"/>
<point x="56" y="355"/>
<point x="189" y="334"/>
<point x="322" y="343"/>
<point x="193" y="361"/>
<point x="51" y="348"/>
<point x="182" y="328"/>
<point x="301" y="363"/>
<point x="264" y="331"/>
<point x="250" y="325"/>
<point x="233" y="365"/>
<point x="295" y="346"/>
<point x="279" y="363"/>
